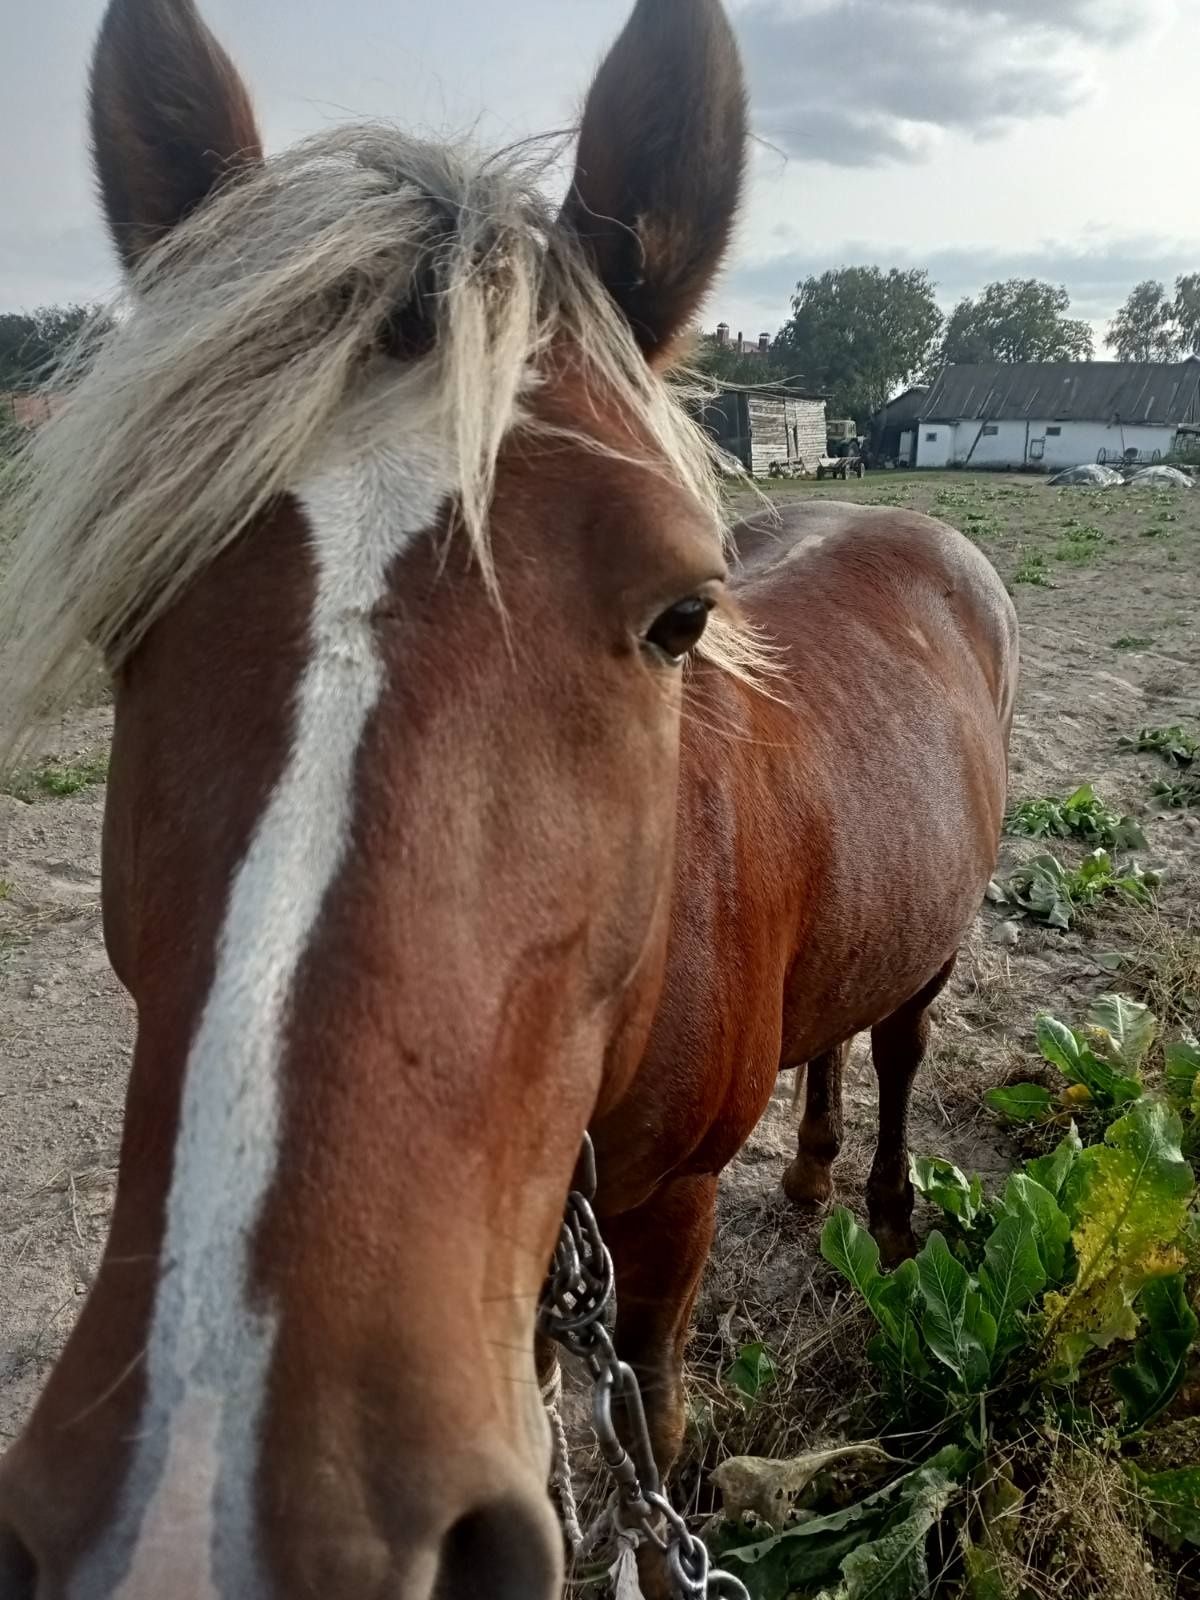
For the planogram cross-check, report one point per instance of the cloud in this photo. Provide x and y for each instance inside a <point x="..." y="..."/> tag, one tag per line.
<point x="42" y="265"/>
<point x="1098" y="271"/>
<point x="866" y="82"/>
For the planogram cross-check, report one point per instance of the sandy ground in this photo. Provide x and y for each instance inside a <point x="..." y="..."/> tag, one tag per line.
<point x="66" y="1025"/>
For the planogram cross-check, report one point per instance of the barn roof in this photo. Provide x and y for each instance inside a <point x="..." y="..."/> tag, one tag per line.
<point x="904" y="407"/>
<point x="1147" y="392"/>
<point x="776" y="391"/>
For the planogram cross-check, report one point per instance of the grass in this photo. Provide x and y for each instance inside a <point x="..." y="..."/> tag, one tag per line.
<point x="1163" y="968"/>
<point x="1132" y="641"/>
<point x="1081" y="545"/>
<point x="1032" y="570"/>
<point x="1074" y="1532"/>
<point x="1076" y="553"/>
<point x="56" y="779"/>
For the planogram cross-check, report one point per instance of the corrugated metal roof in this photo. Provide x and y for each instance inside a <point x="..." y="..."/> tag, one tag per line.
<point x="1147" y="392"/>
<point x="906" y="407"/>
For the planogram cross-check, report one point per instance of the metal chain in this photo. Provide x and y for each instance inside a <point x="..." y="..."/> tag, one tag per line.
<point x="577" y="1293"/>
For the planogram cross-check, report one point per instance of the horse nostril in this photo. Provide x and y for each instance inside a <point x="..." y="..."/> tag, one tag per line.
<point x="18" y="1570"/>
<point x="504" y="1550"/>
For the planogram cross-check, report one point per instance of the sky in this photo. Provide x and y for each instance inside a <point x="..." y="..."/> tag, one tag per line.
<point x="976" y="138"/>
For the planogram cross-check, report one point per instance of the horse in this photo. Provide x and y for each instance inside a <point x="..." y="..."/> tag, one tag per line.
<point x="470" y="789"/>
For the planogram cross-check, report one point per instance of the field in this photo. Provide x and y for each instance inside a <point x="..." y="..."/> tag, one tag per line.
<point x="1107" y="587"/>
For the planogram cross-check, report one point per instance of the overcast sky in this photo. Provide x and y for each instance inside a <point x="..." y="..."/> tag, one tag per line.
<point x="979" y="138"/>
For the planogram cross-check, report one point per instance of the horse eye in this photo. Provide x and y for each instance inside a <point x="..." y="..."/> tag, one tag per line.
<point x="680" y="626"/>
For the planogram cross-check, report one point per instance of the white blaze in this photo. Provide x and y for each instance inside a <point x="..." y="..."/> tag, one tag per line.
<point x="209" y="1347"/>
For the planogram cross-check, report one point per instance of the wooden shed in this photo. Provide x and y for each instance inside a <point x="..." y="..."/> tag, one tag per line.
<point x="28" y="408"/>
<point x="762" y="425"/>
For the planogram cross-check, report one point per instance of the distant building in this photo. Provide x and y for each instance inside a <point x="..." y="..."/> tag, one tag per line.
<point x="1053" y="414"/>
<point x="741" y="345"/>
<point x="765" y="425"/>
<point x="893" y="429"/>
<point x="28" y="408"/>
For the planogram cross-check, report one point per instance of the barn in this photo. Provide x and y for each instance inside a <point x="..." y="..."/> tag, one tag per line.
<point x="893" y="437"/>
<point x="764" y="424"/>
<point x="1052" y="414"/>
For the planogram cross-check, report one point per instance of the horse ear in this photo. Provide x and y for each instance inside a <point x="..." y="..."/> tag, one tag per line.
<point x="170" y="119"/>
<point x="659" y="166"/>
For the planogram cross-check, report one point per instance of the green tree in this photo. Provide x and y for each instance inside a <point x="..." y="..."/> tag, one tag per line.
<point x="1143" y="329"/>
<point x="1020" y="319"/>
<point x="1185" y="313"/>
<point x="32" y="343"/>
<point x="860" y="333"/>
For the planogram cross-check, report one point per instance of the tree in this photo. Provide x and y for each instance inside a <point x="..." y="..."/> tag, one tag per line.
<point x="32" y="344"/>
<point x="1143" y="329"/>
<point x="1020" y="319"/>
<point x="1185" y="314"/>
<point x="860" y="333"/>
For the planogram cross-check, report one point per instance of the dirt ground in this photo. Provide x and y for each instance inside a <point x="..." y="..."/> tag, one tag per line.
<point x="1111" y="642"/>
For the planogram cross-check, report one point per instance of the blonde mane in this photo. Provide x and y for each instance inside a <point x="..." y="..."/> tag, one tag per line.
<point x="251" y="328"/>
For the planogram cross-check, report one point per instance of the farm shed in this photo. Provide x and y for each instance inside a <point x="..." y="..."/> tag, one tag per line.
<point x="893" y="429"/>
<point x="1054" y="414"/>
<point x="762" y="424"/>
<point x="28" y="408"/>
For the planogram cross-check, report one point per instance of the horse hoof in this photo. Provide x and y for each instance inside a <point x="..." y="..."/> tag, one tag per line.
<point x="809" y="1188"/>
<point x="895" y="1245"/>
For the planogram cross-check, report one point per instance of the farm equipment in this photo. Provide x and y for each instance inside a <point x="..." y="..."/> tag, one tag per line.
<point x="842" y="458"/>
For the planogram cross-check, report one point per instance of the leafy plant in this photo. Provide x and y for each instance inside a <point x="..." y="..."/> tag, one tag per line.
<point x="1032" y="569"/>
<point x="1154" y="1373"/>
<point x="1174" y="744"/>
<point x="1132" y="641"/>
<point x="1179" y="796"/>
<point x="1100" y="1062"/>
<point x="1172" y="1500"/>
<point x="1081" y="544"/>
<point x="943" y="1183"/>
<point x="867" y="1543"/>
<point x="1012" y="1310"/>
<point x="752" y="1371"/>
<point x="1051" y="893"/>
<point x="1128" y="1203"/>
<point x="1081" y="815"/>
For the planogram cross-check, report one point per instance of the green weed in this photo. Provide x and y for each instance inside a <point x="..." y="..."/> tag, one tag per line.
<point x="1048" y="892"/>
<point x="1174" y="744"/>
<point x="1081" y="815"/>
<point x="1032" y="569"/>
<point x="54" y="778"/>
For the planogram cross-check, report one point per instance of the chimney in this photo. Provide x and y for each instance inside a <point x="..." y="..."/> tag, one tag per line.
<point x="741" y="344"/>
<point x="723" y="334"/>
<point x="764" y="343"/>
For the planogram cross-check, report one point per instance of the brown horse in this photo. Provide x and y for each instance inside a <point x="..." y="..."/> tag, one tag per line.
<point x="422" y="854"/>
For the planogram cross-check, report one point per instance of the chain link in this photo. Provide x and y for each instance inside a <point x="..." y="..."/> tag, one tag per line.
<point x="577" y="1294"/>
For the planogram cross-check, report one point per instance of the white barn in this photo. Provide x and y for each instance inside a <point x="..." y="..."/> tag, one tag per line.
<point x="1053" y="414"/>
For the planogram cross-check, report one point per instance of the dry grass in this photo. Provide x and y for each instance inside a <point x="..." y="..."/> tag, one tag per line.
<point x="1163" y="969"/>
<point x="1076" y="1534"/>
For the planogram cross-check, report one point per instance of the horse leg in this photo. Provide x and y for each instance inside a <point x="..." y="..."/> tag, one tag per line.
<point x="658" y="1252"/>
<point x="808" y="1181"/>
<point x="898" y="1045"/>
